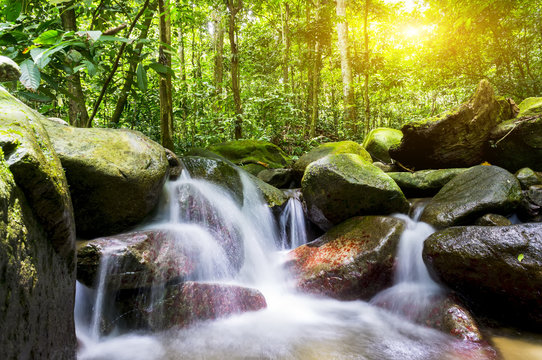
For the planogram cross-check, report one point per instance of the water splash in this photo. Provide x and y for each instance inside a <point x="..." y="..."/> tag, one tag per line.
<point x="293" y="231"/>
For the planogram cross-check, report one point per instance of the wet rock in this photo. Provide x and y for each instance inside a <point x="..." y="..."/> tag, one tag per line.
<point x="333" y="148"/>
<point x="425" y="182"/>
<point x="530" y="107"/>
<point x="253" y="155"/>
<point x="492" y="268"/>
<point x="528" y="178"/>
<point x="115" y="176"/>
<point x="338" y="187"/>
<point x="379" y="141"/>
<point x="493" y="220"/>
<point x="279" y="178"/>
<point x="353" y="260"/>
<point x="37" y="241"/>
<point x="476" y="192"/>
<point x="517" y="144"/>
<point x="175" y="165"/>
<point x="385" y="167"/>
<point x="456" y="139"/>
<point x="190" y="302"/>
<point x="530" y="208"/>
<point x="9" y="70"/>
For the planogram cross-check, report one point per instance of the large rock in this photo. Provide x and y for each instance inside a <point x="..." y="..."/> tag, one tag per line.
<point x="37" y="241"/>
<point x="192" y="301"/>
<point x="530" y="209"/>
<point x="516" y="144"/>
<point x="279" y="178"/>
<point x="496" y="269"/>
<point x="456" y="139"/>
<point x="379" y="141"/>
<point x="353" y="260"/>
<point x="476" y="192"/>
<point x="530" y="107"/>
<point x="528" y="178"/>
<point x="115" y="176"/>
<point x="338" y="187"/>
<point x="333" y="148"/>
<point x="254" y="154"/>
<point x="424" y="183"/>
<point x="9" y="70"/>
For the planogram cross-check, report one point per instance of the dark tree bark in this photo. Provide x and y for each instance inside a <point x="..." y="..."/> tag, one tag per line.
<point x="367" y="67"/>
<point x="286" y="45"/>
<point x="317" y="65"/>
<point x="166" y="100"/>
<point x="234" y="6"/>
<point x="77" y="111"/>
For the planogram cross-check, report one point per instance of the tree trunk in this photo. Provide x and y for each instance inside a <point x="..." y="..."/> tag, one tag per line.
<point x="166" y="102"/>
<point x="310" y="68"/>
<point x="234" y="6"/>
<point x="218" y="61"/>
<point x="317" y="65"/>
<point x="286" y="45"/>
<point x="134" y="60"/>
<point x="346" y="69"/>
<point x="182" y="63"/>
<point x="78" y="115"/>
<point x="367" y="67"/>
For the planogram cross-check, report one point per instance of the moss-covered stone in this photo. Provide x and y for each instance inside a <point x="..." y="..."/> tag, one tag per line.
<point x="338" y="187"/>
<point x="353" y="260"/>
<point x="332" y="148"/>
<point x="255" y="155"/>
<point x="496" y="269"/>
<point x="115" y="176"/>
<point x="9" y="70"/>
<point x="528" y="178"/>
<point x="530" y="209"/>
<point x="279" y="178"/>
<point x="516" y="144"/>
<point x="379" y="141"/>
<point x="456" y="139"/>
<point x="477" y="191"/>
<point x="493" y="220"/>
<point x="530" y="107"/>
<point x="425" y="182"/>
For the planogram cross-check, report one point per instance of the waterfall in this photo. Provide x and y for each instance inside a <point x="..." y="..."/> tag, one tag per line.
<point x="293" y="232"/>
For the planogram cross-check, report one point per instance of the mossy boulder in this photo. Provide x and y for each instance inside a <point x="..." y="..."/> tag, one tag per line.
<point x="37" y="241"/>
<point x="9" y="70"/>
<point x="279" y="178"/>
<point x="476" y="192"/>
<point x="338" y="187"/>
<point x="353" y="260"/>
<point x="455" y="139"/>
<point x="530" y="209"/>
<point x="528" y="178"/>
<point x="530" y="107"/>
<point x="424" y="183"/>
<point x="379" y="141"/>
<point x="517" y="144"/>
<point x="115" y="176"/>
<point x="332" y="148"/>
<point x="493" y="220"/>
<point x="496" y="269"/>
<point x="253" y="155"/>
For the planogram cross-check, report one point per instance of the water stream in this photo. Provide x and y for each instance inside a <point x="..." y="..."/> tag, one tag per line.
<point x="294" y="325"/>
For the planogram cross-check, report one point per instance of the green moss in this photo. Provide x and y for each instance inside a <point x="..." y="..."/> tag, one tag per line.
<point x="530" y="107"/>
<point x="243" y="152"/>
<point x="379" y="141"/>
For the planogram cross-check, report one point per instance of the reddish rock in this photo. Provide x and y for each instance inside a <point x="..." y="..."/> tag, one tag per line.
<point x="353" y="260"/>
<point x="138" y="259"/>
<point x="192" y="301"/>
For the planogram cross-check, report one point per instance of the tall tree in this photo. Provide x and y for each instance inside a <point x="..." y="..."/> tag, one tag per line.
<point x="317" y="65"/>
<point x="77" y="110"/>
<point x="367" y="67"/>
<point x="166" y="101"/>
<point x="285" y="16"/>
<point x="234" y="6"/>
<point x="346" y="68"/>
<point x="219" y="58"/>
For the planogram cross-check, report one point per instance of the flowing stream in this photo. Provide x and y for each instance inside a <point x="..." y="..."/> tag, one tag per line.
<point x="294" y="325"/>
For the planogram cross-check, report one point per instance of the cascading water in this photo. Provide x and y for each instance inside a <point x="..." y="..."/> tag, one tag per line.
<point x="293" y="231"/>
<point x="293" y="326"/>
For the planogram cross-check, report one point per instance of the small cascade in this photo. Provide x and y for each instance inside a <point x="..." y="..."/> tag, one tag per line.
<point x="293" y="230"/>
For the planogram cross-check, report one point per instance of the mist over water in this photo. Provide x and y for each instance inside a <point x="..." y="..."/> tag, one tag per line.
<point x="294" y="325"/>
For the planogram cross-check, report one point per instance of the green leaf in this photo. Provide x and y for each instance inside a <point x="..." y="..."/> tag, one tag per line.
<point x="520" y="257"/>
<point x="49" y="37"/>
<point x="91" y="68"/>
<point x="30" y="75"/>
<point x="91" y="35"/>
<point x="161" y="69"/>
<point x="13" y="10"/>
<point x="113" y="38"/>
<point x="141" y="77"/>
<point x="39" y="59"/>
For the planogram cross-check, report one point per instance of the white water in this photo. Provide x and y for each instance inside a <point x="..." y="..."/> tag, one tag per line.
<point x="293" y="232"/>
<point x="294" y="326"/>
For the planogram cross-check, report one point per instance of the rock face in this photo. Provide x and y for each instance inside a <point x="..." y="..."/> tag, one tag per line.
<point x="530" y="209"/>
<point x="424" y="183"/>
<point x="256" y="155"/>
<point x="353" y="260"/>
<point x="341" y="186"/>
<point x="137" y="260"/>
<point x="9" y="70"/>
<point x="528" y="178"/>
<point x="279" y="178"/>
<point x="493" y="268"/>
<point x="530" y="107"/>
<point x="37" y="241"/>
<point x="493" y="220"/>
<point x="379" y="141"/>
<point x="456" y="139"/>
<point x="190" y="302"/>
<point x="115" y="176"/>
<point x="333" y="148"/>
<point x="517" y="144"/>
<point x="476" y="192"/>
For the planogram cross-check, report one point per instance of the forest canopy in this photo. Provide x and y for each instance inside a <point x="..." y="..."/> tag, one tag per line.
<point x="195" y="73"/>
